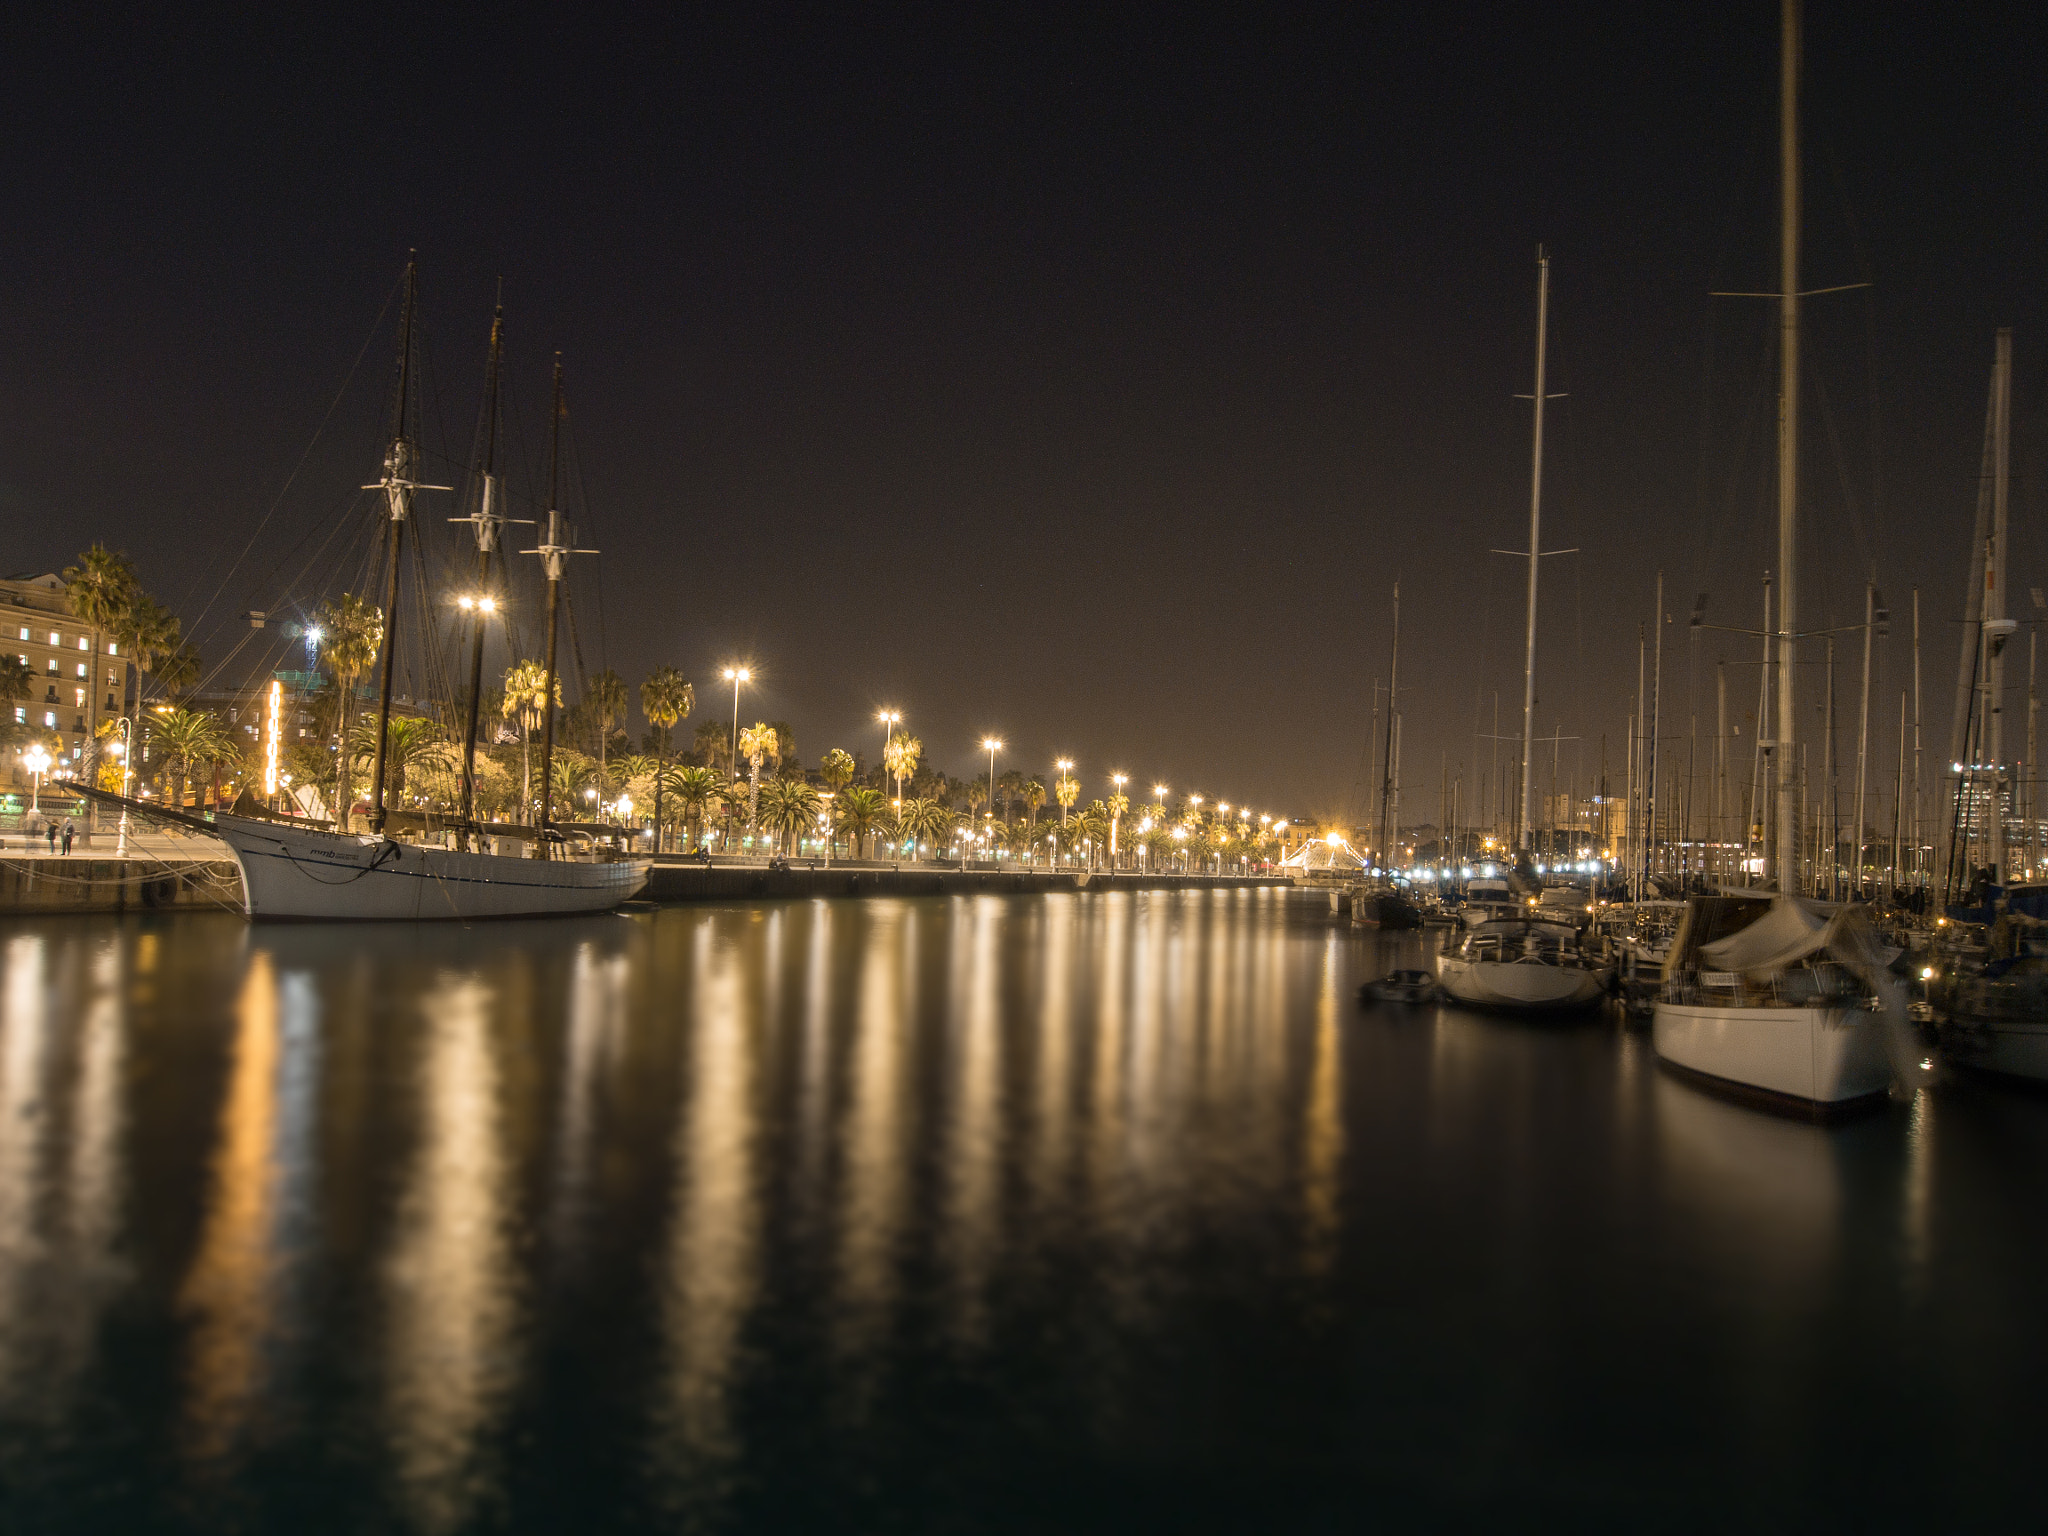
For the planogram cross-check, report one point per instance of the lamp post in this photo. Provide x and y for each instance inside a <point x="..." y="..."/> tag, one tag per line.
<point x="891" y="718"/>
<point x="994" y="745"/>
<point x="736" y="676"/>
<point x="1116" y="812"/>
<point x="1065" y="765"/>
<point x="37" y="762"/>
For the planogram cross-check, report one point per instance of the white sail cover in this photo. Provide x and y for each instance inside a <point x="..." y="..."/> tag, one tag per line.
<point x="1787" y="933"/>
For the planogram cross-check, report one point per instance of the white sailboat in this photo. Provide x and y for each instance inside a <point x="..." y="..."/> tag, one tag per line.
<point x="1522" y="966"/>
<point x="1775" y="995"/>
<point x="293" y="871"/>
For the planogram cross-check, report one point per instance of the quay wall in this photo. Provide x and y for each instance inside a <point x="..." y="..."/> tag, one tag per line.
<point x="694" y="882"/>
<point x="84" y="886"/>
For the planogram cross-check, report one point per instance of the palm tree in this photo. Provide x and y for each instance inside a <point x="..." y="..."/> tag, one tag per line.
<point x="665" y="698"/>
<point x="921" y="818"/>
<point x="756" y="742"/>
<point x="570" y="773"/>
<point x="150" y="633"/>
<point x="1068" y="789"/>
<point x="836" y="768"/>
<point x="526" y="697"/>
<point x="351" y="631"/>
<point x="99" y="590"/>
<point x="900" y="757"/>
<point x="188" y="738"/>
<point x="17" y="680"/>
<point x="694" y="788"/>
<point x="789" y="807"/>
<point x="179" y="670"/>
<point x="1117" y="804"/>
<point x="606" y="696"/>
<point x="861" y="812"/>
<point x="1033" y="795"/>
<point x="409" y="743"/>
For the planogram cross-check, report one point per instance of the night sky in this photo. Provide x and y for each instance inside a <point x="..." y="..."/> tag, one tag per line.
<point x="1084" y="377"/>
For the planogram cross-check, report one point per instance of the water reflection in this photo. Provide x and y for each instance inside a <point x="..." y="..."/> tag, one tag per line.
<point x="448" y="1277"/>
<point x="231" y="1290"/>
<point x="894" y="1213"/>
<point x="714" y="1251"/>
<point x="63" y="1048"/>
<point x="874" y="1127"/>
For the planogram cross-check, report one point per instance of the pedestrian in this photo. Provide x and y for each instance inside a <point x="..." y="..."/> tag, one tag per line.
<point x="67" y="839"/>
<point x="50" y="831"/>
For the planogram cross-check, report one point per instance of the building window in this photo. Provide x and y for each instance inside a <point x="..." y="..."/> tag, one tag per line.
<point x="50" y="719"/>
<point x="55" y="638"/>
<point x="84" y="643"/>
<point x="24" y="632"/>
<point x="81" y="669"/>
<point x="21" y="716"/>
<point x="78" y="698"/>
<point x="53" y="666"/>
<point x="113" y="649"/>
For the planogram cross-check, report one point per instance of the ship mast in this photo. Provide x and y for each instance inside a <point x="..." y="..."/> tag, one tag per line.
<point x="1788" y="447"/>
<point x="399" y="487"/>
<point x="554" y="555"/>
<point x="1535" y="547"/>
<point x="487" y="522"/>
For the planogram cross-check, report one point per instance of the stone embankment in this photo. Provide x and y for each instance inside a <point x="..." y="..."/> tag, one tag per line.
<point x="82" y="885"/>
<point x="690" y="880"/>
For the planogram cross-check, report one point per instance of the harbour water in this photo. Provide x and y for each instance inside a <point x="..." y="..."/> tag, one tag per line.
<point x="1011" y="1213"/>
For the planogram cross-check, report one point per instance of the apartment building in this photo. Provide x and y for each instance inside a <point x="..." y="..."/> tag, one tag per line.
<point x="74" y="689"/>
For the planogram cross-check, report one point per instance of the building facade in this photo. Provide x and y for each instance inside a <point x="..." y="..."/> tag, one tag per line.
<point x="74" y="689"/>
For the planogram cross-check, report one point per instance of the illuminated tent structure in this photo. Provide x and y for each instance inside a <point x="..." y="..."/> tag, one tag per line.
<point x="1325" y="855"/>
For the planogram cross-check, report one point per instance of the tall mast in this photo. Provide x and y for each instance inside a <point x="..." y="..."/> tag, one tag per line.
<point x="1998" y="624"/>
<point x="1387" y="766"/>
<point x="553" y="557"/>
<point x="1863" y="736"/>
<point x="398" y="487"/>
<point x="1535" y="541"/>
<point x="1656" y="727"/>
<point x="1788" y="447"/>
<point x="486" y="523"/>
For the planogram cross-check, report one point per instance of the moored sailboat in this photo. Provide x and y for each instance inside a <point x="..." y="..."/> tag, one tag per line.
<point x="294" y="871"/>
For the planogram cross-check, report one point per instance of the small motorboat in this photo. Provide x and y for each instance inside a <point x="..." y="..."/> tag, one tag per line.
<point x="1400" y="987"/>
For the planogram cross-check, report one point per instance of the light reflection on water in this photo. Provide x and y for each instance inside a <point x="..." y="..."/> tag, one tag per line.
<point x="1069" y="1212"/>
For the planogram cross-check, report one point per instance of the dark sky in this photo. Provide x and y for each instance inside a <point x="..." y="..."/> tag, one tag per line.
<point x="1088" y="378"/>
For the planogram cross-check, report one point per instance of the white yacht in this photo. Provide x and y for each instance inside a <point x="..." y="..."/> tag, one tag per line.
<point x="1522" y="966"/>
<point x="1784" y="997"/>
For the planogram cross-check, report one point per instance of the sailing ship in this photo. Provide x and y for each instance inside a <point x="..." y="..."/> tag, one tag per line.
<point x="1777" y="995"/>
<point x="294" y="871"/>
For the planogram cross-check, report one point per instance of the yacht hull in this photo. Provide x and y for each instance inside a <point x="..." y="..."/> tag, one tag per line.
<point x="294" y="873"/>
<point x="1822" y="1056"/>
<point x="1520" y="986"/>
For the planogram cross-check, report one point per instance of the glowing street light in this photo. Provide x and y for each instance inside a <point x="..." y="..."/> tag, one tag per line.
<point x="1065" y="766"/>
<point x="992" y="745"/>
<point x="37" y="762"/>
<point x="736" y="676"/>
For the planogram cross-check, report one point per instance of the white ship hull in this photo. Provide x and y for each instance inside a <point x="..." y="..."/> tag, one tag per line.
<point x="292" y="872"/>
<point x="1522" y="986"/>
<point x="1818" y="1055"/>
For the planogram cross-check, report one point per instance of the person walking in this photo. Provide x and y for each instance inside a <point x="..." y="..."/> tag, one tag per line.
<point x="67" y="839"/>
<point x="50" y="831"/>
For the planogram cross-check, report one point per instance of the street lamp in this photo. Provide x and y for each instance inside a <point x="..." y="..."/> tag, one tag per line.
<point x="1119" y="780"/>
<point x="1065" y="766"/>
<point x="994" y="745"/>
<point x="37" y="762"/>
<point x="736" y="676"/>
<point x="891" y="718"/>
